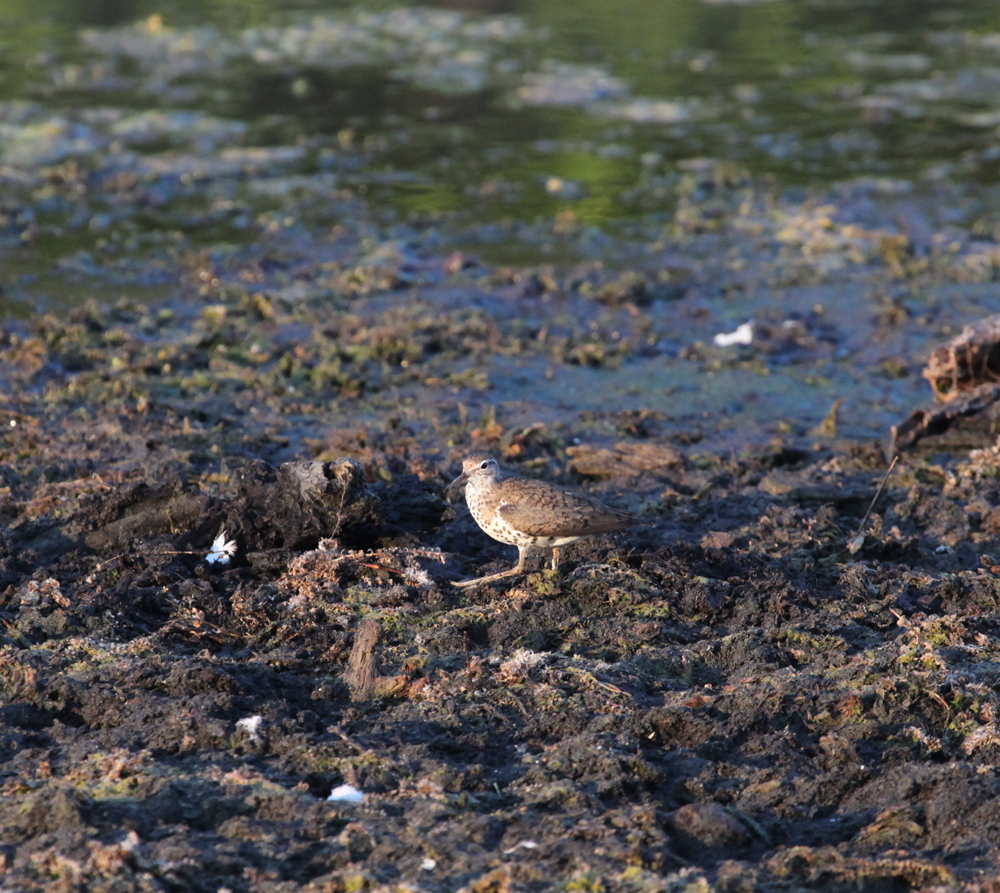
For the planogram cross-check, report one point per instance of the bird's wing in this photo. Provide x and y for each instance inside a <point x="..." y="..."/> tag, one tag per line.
<point x="539" y="509"/>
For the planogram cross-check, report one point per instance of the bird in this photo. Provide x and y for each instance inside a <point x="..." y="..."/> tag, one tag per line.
<point x="523" y="512"/>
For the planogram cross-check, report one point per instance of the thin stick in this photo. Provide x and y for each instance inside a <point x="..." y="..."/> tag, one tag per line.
<point x="878" y="493"/>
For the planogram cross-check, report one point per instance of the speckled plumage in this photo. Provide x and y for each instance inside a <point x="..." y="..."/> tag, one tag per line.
<point x="525" y="513"/>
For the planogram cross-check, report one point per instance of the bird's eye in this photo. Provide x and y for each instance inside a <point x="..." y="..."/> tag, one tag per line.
<point x="485" y="464"/>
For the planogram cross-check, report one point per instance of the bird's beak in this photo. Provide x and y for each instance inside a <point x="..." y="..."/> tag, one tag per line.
<point x="461" y="479"/>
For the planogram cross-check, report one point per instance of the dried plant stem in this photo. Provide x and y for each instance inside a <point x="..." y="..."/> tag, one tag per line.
<point x="878" y="493"/>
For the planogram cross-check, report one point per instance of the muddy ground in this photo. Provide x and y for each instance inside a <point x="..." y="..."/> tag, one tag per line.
<point x="741" y="697"/>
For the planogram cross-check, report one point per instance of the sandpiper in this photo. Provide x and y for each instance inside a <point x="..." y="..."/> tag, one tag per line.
<point x="524" y="512"/>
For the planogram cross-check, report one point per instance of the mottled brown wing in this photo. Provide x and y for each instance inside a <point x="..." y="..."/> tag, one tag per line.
<point x="539" y="509"/>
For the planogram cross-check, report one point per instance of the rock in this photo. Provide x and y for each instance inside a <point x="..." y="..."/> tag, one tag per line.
<point x="625" y="459"/>
<point x="718" y="539"/>
<point x="702" y="826"/>
<point x="967" y="421"/>
<point x="780" y="482"/>
<point x="56" y="811"/>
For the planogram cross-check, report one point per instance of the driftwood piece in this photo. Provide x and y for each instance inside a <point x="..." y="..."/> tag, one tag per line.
<point x="968" y="421"/>
<point x="965" y="376"/>
<point x="362" y="672"/>
<point x="968" y="361"/>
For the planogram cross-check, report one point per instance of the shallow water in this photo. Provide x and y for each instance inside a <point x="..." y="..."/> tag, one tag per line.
<point x="602" y="110"/>
<point x="700" y="144"/>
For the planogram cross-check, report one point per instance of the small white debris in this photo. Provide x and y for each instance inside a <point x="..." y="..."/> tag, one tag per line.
<point x="429" y="864"/>
<point x="854" y="545"/>
<point x="252" y="726"/>
<point x="416" y="576"/>
<point x="742" y="335"/>
<point x="523" y="845"/>
<point x="944" y="549"/>
<point x="222" y="550"/>
<point x="346" y="793"/>
<point x="520" y="664"/>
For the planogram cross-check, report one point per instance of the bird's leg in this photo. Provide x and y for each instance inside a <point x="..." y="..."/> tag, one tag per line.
<point x="521" y="552"/>
<point x="468" y="584"/>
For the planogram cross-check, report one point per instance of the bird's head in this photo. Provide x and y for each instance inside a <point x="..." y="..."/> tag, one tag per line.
<point x="476" y="465"/>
